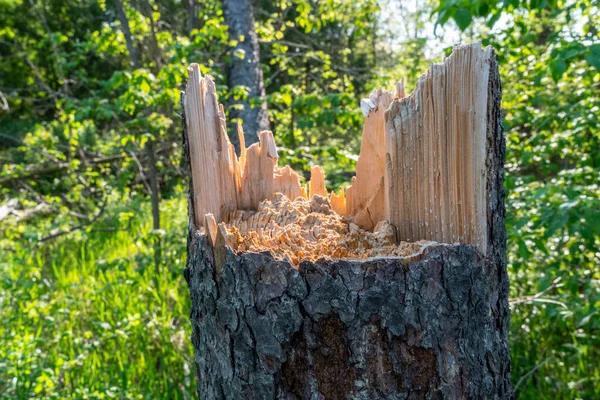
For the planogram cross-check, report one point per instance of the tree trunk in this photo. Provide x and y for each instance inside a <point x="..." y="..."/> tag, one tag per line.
<point x="133" y="52"/>
<point x="430" y="325"/>
<point x="193" y="21"/>
<point x="153" y="174"/>
<point x="154" y="199"/>
<point x="155" y="51"/>
<point x="245" y="70"/>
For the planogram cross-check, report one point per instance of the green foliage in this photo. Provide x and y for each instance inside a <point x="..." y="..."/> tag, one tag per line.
<point x="75" y="97"/>
<point x="92" y="318"/>
<point x="318" y="66"/>
<point x="92" y="300"/>
<point x="568" y="26"/>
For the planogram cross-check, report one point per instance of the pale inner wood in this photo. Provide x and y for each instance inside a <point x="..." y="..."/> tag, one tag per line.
<point x="421" y="171"/>
<point x="435" y="143"/>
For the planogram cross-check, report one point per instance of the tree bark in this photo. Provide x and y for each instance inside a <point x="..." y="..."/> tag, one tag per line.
<point x="154" y="199"/>
<point x="246" y="71"/>
<point x="193" y="21"/>
<point x="433" y="325"/>
<point x="133" y="52"/>
<point x="155" y="50"/>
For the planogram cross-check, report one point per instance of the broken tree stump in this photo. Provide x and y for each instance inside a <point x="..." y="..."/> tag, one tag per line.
<point x="396" y="288"/>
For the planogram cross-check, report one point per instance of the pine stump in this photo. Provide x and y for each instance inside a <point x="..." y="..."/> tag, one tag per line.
<point x="430" y="326"/>
<point x="395" y="288"/>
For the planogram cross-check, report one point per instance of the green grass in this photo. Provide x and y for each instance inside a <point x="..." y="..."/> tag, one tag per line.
<point x="91" y="316"/>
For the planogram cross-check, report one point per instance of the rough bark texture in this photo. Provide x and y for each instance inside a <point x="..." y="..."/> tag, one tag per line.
<point x="431" y="326"/>
<point x="426" y="327"/>
<point x="246" y="71"/>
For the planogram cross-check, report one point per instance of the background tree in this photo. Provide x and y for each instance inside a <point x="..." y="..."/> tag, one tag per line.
<point x="244" y="73"/>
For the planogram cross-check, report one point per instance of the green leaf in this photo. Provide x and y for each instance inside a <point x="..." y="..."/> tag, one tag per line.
<point x="523" y="250"/>
<point x="145" y="86"/>
<point x="483" y="10"/>
<point x="443" y="17"/>
<point x="593" y="60"/>
<point x="557" y="68"/>
<point x="463" y="18"/>
<point x="287" y="98"/>
<point x="494" y="19"/>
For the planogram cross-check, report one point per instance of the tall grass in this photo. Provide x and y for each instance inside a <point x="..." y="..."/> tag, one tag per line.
<point x="93" y="317"/>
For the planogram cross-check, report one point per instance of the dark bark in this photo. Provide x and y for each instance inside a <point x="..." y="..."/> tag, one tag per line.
<point x="133" y="52"/>
<point x="154" y="199"/>
<point x="246" y="71"/>
<point x="430" y="326"/>
<point x="418" y="328"/>
<point x="155" y="50"/>
<point x="193" y="21"/>
<point x="495" y="209"/>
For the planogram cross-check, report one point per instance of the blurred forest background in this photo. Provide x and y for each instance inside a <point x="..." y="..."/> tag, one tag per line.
<point x="93" y="215"/>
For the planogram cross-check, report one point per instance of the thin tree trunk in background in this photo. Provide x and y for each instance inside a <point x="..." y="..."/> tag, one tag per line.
<point x="292" y="122"/>
<point x="154" y="198"/>
<point x="133" y="52"/>
<point x="59" y="69"/>
<point x="192" y="15"/>
<point x="246" y="71"/>
<point x="152" y="174"/>
<point x="154" y="48"/>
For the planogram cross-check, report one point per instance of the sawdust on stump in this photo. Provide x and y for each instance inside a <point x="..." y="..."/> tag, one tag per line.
<point x="303" y="229"/>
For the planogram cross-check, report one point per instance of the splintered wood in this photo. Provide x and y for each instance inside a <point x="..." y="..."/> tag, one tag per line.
<point x="221" y="182"/>
<point x="436" y="152"/>
<point x="421" y="173"/>
<point x="308" y="230"/>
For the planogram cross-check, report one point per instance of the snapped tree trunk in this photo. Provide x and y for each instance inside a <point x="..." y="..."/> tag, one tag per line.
<point x="244" y="70"/>
<point x="306" y="299"/>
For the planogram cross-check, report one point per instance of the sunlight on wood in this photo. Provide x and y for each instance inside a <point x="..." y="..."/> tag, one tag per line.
<point x="421" y="173"/>
<point x="436" y="152"/>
